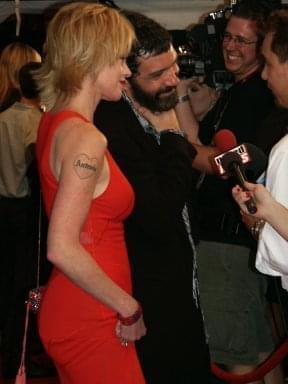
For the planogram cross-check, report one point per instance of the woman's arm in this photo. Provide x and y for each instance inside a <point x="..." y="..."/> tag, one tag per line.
<point x="193" y="95"/>
<point x="77" y="187"/>
<point x="195" y="101"/>
<point x="186" y="118"/>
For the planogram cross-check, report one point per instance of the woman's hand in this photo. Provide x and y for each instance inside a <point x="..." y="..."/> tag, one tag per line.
<point x="254" y="223"/>
<point x="202" y="99"/>
<point x="248" y="220"/>
<point x="262" y="197"/>
<point x="184" y="86"/>
<point x="133" y="332"/>
<point x="268" y="209"/>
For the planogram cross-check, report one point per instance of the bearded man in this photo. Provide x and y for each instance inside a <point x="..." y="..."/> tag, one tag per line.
<point x="145" y="140"/>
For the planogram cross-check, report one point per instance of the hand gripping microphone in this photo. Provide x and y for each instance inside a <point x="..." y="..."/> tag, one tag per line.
<point x="231" y="163"/>
<point x="237" y="159"/>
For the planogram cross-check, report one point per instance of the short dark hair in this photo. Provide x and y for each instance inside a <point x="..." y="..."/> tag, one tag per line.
<point x="151" y="38"/>
<point x="278" y="25"/>
<point x="28" y="86"/>
<point x="257" y="11"/>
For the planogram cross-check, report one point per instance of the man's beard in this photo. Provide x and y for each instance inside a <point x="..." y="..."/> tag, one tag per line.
<point x="155" y="103"/>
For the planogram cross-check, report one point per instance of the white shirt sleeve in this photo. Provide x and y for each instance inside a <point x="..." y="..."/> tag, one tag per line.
<point x="272" y="254"/>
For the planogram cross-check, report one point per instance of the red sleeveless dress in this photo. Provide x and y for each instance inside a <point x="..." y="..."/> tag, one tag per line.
<point x="78" y="331"/>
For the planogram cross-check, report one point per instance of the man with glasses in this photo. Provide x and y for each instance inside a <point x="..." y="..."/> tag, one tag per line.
<point x="238" y="40"/>
<point x="232" y="293"/>
<point x="145" y="140"/>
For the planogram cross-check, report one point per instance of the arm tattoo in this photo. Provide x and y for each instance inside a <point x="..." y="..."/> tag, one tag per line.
<point x="85" y="166"/>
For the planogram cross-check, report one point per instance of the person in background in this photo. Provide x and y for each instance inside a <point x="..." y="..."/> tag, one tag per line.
<point x="18" y="215"/>
<point x="232" y="292"/>
<point x="12" y="58"/>
<point x="146" y="141"/>
<point x="272" y="214"/>
<point x="88" y="319"/>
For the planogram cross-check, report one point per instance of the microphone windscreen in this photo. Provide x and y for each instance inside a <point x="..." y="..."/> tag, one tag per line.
<point x="225" y="140"/>
<point x="230" y="158"/>
<point x="258" y="164"/>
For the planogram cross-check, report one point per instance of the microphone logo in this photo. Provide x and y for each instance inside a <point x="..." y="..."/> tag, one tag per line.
<point x="240" y="152"/>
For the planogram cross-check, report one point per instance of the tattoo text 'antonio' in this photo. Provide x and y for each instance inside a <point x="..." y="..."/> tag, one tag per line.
<point x="85" y="166"/>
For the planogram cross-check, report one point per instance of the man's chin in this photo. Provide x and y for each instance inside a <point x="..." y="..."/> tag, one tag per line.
<point x="159" y="105"/>
<point x="166" y="105"/>
<point x="160" y="102"/>
<point x="232" y="67"/>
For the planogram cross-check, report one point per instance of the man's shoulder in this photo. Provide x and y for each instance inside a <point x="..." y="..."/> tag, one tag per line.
<point x="252" y="96"/>
<point x="111" y="109"/>
<point x="114" y="117"/>
<point x="253" y="83"/>
<point x="282" y="145"/>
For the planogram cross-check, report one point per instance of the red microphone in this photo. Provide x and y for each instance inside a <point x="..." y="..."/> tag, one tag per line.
<point x="225" y="140"/>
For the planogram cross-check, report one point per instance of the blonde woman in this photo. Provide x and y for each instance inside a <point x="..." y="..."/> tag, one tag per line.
<point x="12" y="59"/>
<point x="88" y="319"/>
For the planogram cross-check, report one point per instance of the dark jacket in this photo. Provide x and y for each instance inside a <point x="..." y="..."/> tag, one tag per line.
<point x="242" y="110"/>
<point x="160" y="253"/>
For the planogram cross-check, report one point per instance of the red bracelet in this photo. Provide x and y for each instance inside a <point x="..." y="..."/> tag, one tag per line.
<point x="131" y="319"/>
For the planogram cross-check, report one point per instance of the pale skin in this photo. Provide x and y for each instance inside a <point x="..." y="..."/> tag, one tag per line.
<point x="185" y="114"/>
<point x="268" y="208"/>
<point x="201" y="99"/>
<point x="189" y="124"/>
<point x="76" y="143"/>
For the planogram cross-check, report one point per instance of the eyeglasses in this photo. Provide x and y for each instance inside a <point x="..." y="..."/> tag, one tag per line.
<point x="239" y="41"/>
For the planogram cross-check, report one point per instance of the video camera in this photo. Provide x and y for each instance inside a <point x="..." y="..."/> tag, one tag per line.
<point x="201" y="54"/>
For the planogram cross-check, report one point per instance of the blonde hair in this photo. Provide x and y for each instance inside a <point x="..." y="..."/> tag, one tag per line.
<point x="12" y="59"/>
<point x="82" y="39"/>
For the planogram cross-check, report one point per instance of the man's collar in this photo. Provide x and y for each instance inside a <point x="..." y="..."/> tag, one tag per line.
<point x="146" y="125"/>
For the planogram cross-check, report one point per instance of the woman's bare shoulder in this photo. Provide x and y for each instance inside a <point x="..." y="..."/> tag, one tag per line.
<point x="78" y="134"/>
